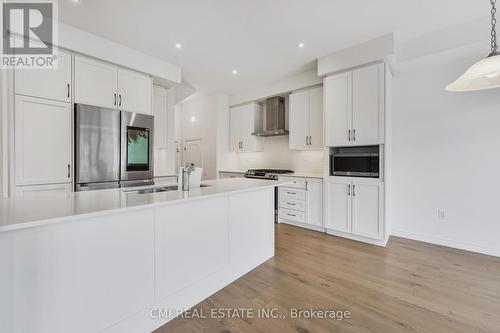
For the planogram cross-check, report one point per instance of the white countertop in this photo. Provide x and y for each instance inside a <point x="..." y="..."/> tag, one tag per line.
<point x="42" y="209"/>
<point x="295" y="174"/>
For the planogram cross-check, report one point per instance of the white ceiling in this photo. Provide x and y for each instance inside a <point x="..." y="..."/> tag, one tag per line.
<point x="258" y="37"/>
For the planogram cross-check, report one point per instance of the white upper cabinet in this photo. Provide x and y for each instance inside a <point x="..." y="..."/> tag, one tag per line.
<point x="368" y="105"/>
<point x="42" y="141"/>
<point x="101" y="84"/>
<point x="354" y="107"/>
<point x="306" y="119"/>
<point x="95" y="83"/>
<point x="299" y="120"/>
<point x="338" y="100"/>
<point x="52" y="84"/>
<point x="316" y="140"/>
<point x="134" y="91"/>
<point x="245" y="120"/>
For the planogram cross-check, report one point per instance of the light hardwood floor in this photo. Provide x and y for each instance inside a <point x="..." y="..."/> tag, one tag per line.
<point x="407" y="287"/>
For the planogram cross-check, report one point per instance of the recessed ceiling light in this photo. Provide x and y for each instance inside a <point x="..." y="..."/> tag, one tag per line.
<point x="178" y="45"/>
<point x="234" y="71"/>
<point x="193" y="119"/>
<point x="76" y="1"/>
<point x="301" y="45"/>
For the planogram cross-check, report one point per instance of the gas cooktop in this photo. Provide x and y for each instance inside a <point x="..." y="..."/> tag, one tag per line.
<point x="272" y="174"/>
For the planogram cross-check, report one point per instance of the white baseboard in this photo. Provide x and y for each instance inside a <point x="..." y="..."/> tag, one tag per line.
<point x="377" y="242"/>
<point x="301" y="225"/>
<point x="446" y="242"/>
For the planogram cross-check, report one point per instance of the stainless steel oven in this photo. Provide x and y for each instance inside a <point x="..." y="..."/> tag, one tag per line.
<point x="355" y="161"/>
<point x="136" y="147"/>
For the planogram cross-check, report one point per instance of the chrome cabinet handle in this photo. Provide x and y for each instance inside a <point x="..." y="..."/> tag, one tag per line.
<point x="307" y="185"/>
<point x="114" y="103"/>
<point x="354" y="135"/>
<point x="68" y="89"/>
<point x="291" y="204"/>
<point x="310" y="140"/>
<point x="69" y="171"/>
<point x="353" y="190"/>
<point x="292" y="193"/>
<point x="120" y="100"/>
<point x="291" y="214"/>
<point x="349" y="135"/>
<point x="307" y="141"/>
<point x="349" y="190"/>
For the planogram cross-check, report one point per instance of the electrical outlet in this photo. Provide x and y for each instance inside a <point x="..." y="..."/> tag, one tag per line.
<point x="441" y="214"/>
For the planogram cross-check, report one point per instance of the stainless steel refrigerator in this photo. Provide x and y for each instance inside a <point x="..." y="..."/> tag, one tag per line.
<point x="112" y="148"/>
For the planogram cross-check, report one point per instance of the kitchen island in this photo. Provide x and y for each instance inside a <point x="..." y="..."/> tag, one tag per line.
<point x="116" y="261"/>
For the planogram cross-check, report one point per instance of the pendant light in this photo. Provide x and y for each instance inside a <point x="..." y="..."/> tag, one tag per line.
<point x="484" y="74"/>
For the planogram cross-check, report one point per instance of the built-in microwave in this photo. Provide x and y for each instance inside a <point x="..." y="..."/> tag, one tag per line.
<point x="355" y="161"/>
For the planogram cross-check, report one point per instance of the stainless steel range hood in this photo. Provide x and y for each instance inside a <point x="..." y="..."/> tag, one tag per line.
<point x="275" y="118"/>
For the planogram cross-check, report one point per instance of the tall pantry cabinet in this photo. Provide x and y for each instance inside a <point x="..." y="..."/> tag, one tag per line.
<point x="357" y="113"/>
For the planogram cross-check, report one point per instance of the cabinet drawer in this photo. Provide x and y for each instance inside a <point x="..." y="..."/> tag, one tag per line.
<point x="287" y="193"/>
<point x="292" y="215"/>
<point x="295" y="182"/>
<point x="293" y="204"/>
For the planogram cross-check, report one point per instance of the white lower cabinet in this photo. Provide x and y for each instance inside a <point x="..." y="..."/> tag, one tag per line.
<point x="42" y="141"/>
<point x="314" y="202"/>
<point x="355" y="207"/>
<point x="301" y="202"/>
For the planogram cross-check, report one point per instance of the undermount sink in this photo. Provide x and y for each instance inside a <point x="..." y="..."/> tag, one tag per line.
<point x="158" y="189"/>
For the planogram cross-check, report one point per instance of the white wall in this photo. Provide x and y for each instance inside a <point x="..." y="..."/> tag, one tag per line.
<point x="204" y="127"/>
<point x="446" y="156"/>
<point x="95" y="46"/>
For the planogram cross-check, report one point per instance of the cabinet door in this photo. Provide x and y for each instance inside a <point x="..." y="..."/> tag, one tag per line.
<point x="314" y="202"/>
<point x="95" y="83"/>
<point x="250" y="119"/>
<point x="42" y="141"/>
<point x="338" y="109"/>
<point x="34" y="190"/>
<point x="46" y="83"/>
<point x="134" y="91"/>
<point x="367" y="210"/>
<point x="368" y="105"/>
<point x="235" y="128"/>
<point x="339" y="206"/>
<point x="316" y="118"/>
<point x="299" y="120"/>
<point x="160" y="120"/>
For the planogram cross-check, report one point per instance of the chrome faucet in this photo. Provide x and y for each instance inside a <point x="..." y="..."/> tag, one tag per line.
<point x="186" y="172"/>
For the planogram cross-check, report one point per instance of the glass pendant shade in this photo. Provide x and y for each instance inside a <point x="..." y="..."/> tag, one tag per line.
<point x="484" y="74"/>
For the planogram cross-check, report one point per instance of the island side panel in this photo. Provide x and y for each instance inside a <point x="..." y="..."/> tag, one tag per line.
<point x="251" y="229"/>
<point x="191" y="244"/>
<point x="93" y="272"/>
